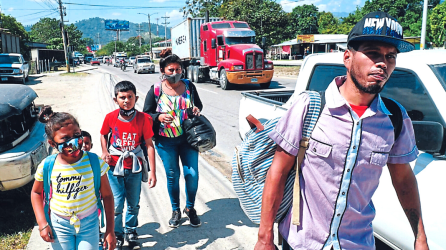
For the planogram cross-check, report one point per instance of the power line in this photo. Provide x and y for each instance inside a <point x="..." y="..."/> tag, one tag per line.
<point x="123" y="7"/>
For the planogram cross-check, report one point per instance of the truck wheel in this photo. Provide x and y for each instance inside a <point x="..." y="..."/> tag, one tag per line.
<point x="196" y="74"/>
<point x="265" y="85"/>
<point x="190" y="73"/>
<point x="22" y="81"/>
<point x="224" y="83"/>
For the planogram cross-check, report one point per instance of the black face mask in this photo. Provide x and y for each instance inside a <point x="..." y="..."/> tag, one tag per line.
<point x="124" y="112"/>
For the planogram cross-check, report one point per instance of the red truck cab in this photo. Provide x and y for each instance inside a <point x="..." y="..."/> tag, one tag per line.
<point x="228" y="48"/>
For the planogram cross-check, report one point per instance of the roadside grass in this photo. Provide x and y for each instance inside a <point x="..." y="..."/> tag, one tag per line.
<point x="17" y="218"/>
<point x="75" y="74"/>
<point x="286" y="71"/>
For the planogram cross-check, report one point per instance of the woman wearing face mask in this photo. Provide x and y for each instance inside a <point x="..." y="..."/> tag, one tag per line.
<point x="167" y="103"/>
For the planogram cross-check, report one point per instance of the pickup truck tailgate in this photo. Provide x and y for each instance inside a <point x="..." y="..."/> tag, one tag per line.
<point x="263" y="105"/>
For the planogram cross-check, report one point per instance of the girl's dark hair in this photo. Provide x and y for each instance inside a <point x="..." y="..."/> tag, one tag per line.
<point x="124" y="86"/>
<point x="54" y="120"/>
<point x="167" y="58"/>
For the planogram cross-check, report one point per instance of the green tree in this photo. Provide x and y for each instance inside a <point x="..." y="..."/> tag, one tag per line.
<point x="132" y="46"/>
<point x="304" y="19"/>
<point x="197" y="8"/>
<point x="438" y="24"/>
<point x="327" y="23"/>
<point x="109" y="48"/>
<point x="264" y="17"/>
<point x="407" y="12"/>
<point x="47" y="29"/>
<point x="16" y="28"/>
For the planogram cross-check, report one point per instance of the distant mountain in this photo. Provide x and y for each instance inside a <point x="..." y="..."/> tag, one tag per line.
<point x="340" y="14"/>
<point x="93" y="26"/>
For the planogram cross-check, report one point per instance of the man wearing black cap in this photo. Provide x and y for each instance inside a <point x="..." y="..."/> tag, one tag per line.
<point x="353" y="140"/>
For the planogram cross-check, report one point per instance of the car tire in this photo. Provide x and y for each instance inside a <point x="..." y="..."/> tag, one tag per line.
<point x="265" y="85"/>
<point x="197" y="74"/>
<point x="27" y="78"/>
<point x="23" y="81"/>
<point x="223" y="80"/>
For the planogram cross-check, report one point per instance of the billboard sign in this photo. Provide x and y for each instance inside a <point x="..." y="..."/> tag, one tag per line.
<point x="305" y="38"/>
<point x="117" y="25"/>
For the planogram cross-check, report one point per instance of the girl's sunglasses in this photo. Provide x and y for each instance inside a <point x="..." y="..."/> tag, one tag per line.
<point x="73" y="142"/>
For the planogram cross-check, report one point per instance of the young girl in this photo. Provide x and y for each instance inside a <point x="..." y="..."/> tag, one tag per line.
<point x="74" y="219"/>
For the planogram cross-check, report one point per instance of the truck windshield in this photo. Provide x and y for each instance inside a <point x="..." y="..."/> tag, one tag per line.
<point x="240" y="40"/>
<point x="9" y="59"/>
<point x="440" y="71"/>
<point x="144" y="60"/>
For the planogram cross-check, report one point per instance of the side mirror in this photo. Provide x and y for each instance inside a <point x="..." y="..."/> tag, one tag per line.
<point x="263" y="41"/>
<point x="213" y="44"/>
<point x="428" y="135"/>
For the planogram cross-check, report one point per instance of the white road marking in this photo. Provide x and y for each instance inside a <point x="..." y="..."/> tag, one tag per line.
<point x="207" y="90"/>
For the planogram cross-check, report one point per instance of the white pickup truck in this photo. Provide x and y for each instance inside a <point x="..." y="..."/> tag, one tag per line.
<point x="419" y="84"/>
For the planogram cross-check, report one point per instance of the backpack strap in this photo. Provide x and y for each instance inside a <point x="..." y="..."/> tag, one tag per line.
<point x="47" y="170"/>
<point x="111" y="123"/>
<point x="314" y="109"/>
<point x="396" y="118"/>
<point x="157" y="91"/>
<point x="96" y="167"/>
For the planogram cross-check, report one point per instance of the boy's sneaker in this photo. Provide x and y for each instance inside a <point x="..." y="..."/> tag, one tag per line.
<point x="119" y="242"/>
<point x="131" y="237"/>
<point x="175" y="220"/>
<point x="193" y="217"/>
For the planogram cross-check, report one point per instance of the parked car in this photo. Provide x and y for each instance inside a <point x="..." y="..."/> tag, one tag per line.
<point x="95" y="61"/>
<point x="23" y="142"/>
<point x="13" y="68"/>
<point x="143" y="65"/>
<point x="418" y="83"/>
<point x="100" y="58"/>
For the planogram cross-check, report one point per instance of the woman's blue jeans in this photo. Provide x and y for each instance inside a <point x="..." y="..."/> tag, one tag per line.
<point x="66" y="237"/>
<point x="125" y="188"/>
<point x="171" y="150"/>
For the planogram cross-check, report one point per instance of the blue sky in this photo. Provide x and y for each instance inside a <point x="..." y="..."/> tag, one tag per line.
<point x="30" y="11"/>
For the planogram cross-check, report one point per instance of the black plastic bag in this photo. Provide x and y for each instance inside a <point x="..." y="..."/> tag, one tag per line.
<point x="199" y="132"/>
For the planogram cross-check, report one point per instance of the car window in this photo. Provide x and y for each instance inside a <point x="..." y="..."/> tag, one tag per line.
<point x="144" y="60"/>
<point x="403" y="86"/>
<point x="9" y="59"/>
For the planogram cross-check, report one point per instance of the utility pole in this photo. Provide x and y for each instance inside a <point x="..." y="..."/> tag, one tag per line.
<point x="99" y="39"/>
<point x="150" y="32"/>
<point x="139" y="32"/>
<point x="423" y="27"/>
<point x="165" y="29"/>
<point x="157" y="32"/>
<point x="61" y="9"/>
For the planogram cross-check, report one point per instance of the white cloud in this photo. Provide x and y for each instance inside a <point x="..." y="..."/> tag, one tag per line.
<point x="10" y="9"/>
<point x="157" y="1"/>
<point x="357" y="2"/>
<point x="116" y="14"/>
<point x="322" y="7"/>
<point x="176" y="17"/>
<point x="288" y="5"/>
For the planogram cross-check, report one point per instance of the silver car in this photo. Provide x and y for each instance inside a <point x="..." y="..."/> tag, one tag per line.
<point x="13" y="68"/>
<point x="23" y="142"/>
<point x="143" y="65"/>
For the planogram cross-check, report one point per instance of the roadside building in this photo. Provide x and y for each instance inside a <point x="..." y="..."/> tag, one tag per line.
<point x="159" y="46"/>
<point x="308" y="44"/>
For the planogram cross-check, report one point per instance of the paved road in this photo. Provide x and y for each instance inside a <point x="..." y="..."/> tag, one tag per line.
<point x="221" y="107"/>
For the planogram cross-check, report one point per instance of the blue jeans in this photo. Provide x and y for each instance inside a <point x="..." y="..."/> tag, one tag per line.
<point x="127" y="187"/>
<point x="171" y="150"/>
<point x="66" y="237"/>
